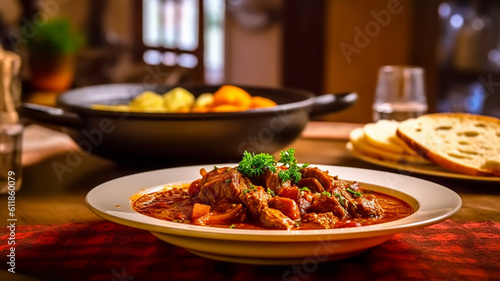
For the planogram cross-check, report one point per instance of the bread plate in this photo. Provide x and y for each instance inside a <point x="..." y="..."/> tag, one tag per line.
<point x="432" y="203"/>
<point x="431" y="170"/>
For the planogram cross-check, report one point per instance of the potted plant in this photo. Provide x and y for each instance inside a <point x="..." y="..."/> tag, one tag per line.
<point x="52" y="53"/>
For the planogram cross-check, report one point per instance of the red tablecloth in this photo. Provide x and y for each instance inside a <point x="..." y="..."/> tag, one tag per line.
<point x="102" y="250"/>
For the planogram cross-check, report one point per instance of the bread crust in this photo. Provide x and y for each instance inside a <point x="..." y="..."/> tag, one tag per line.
<point x="360" y="145"/>
<point x="441" y="161"/>
<point x="436" y="156"/>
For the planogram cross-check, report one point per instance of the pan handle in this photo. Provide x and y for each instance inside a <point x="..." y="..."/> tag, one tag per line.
<point x="51" y="115"/>
<point x="330" y="103"/>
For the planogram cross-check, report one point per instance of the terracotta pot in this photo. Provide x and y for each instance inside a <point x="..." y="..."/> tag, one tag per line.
<point x="52" y="72"/>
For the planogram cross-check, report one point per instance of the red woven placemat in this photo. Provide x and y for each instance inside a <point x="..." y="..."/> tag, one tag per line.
<point x="103" y="250"/>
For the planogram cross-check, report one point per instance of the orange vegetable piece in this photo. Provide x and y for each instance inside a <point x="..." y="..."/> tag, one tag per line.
<point x="259" y="102"/>
<point x="232" y="95"/>
<point x="227" y="108"/>
<point x="184" y="109"/>
<point x="200" y="109"/>
<point x="199" y="210"/>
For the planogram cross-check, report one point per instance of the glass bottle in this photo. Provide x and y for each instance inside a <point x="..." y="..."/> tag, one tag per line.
<point x="10" y="126"/>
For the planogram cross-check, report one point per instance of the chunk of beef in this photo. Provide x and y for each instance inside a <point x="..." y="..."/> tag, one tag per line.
<point x="312" y="184"/>
<point x="338" y="184"/>
<point x="255" y="198"/>
<point x="339" y="190"/>
<point x="322" y="220"/>
<point x="304" y="204"/>
<point x="324" y="204"/>
<point x="358" y="205"/>
<point x="220" y="185"/>
<point x="315" y="178"/>
<point x="302" y="198"/>
<point x="355" y="186"/>
<point x="343" y="192"/>
<point x="291" y="192"/>
<point x="322" y="176"/>
<point x="286" y="205"/>
<point x="368" y="206"/>
<point x="271" y="180"/>
<point x="273" y="218"/>
<point x="305" y="201"/>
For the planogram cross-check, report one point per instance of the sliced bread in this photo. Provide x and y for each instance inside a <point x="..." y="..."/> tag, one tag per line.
<point x="382" y="134"/>
<point x="459" y="142"/>
<point x="360" y="145"/>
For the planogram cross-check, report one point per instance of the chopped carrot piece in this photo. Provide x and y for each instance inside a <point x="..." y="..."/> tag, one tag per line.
<point x="232" y="95"/>
<point x="199" y="210"/>
<point x="259" y="102"/>
<point x="227" y="108"/>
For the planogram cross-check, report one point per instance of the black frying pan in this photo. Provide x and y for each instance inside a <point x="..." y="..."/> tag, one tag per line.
<point x="187" y="137"/>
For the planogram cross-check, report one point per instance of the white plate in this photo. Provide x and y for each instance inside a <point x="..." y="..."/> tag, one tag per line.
<point x="431" y="170"/>
<point x="433" y="203"/>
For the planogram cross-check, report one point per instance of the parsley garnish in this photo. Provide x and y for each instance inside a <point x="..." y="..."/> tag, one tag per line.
<point x="288" y="160"/>
<point x="254" y="165"/>
<point x="270" y="192"/>
<point x="228" y="180"/>
<point x="354" y="192"/>
<point x="326" y="193"/>
<point x="232" y="226"/>
<point x="287" y="157"/>
<point x="215" y="167"/>
<point x="341" y="199"/>
<point x="304" y="189"/>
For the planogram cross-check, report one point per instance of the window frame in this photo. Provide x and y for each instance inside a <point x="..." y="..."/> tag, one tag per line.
<point x="196" y="74"/>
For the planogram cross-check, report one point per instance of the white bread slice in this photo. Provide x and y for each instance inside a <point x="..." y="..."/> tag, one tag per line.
<point x="493" y="164"/>
<point x="382" y="134"/>
<point x="459" y="142"/>
<point x="360" y="145"/>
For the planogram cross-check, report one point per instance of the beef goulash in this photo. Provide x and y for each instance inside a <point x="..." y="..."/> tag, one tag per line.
<point x="261" y="193"/>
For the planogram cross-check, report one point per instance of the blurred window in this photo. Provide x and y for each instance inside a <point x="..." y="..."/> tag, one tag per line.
<point x="186" y="33"/>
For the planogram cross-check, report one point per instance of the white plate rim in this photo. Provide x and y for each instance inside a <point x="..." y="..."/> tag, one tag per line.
<point x="111" y="201"/>
<point x="419" y="169"/>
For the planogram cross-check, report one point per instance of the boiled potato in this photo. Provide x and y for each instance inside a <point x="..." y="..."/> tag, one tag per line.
<point x="204" y="100"/>
<point x="116" y="107"/>
<point x="177" y="99"/>
<point x="147" y="102"/>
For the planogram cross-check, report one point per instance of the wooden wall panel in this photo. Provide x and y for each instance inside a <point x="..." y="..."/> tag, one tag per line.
<point x="304" y="44"/>
<point x="360" y="38"/>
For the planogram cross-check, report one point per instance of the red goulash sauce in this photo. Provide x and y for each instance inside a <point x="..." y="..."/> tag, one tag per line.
<point x="176" y="204"/>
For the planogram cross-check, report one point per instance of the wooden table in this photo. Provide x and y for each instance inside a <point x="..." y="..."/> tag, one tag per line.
<point x="50" y="197"/>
